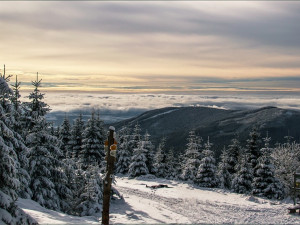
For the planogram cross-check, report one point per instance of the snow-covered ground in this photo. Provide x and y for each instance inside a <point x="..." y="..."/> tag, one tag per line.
<point x="180" y="203"/>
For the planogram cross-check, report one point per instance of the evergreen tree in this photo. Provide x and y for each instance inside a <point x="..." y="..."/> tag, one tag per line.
<point x="9" y="165"/>
<point x="76" y="137"/>
<point x="45" y="166"/>
<point x="171" y="166"/>
<point x="224" y="175"/>
<point x="206" y="175"/>
<point x="92" y="144"/>
<point x="242" y="181"/>
<point x="67" y="188"/>
<point x="102" y="138"/>
<point x="100" y="128"/>
<point x="149" y="152"/>
<point x="161" y="167"/>
<point x="253" y="148"/>
<point x="191" y="158"/>
<point x="138" y="165"/>
<point x="21" y="149"/>
<point x="90" y="201"/>
<point x="135" y="138"/>
<point x="36" y="107"/>
<point x="234" y="150"/>
<point x="65" y="138"/>
<point x="123" y="157"/>
<point x="265" y="184"/>
<point x="42" y="164"/>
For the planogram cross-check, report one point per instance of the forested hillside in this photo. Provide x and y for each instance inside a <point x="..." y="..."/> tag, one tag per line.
<point x="220" y="125"/>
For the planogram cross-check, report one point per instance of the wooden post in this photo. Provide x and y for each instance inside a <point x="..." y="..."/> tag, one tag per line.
<point x="108" y="178"/>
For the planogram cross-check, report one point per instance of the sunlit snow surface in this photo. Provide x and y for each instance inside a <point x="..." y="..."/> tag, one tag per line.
<point x="181" y="203"/>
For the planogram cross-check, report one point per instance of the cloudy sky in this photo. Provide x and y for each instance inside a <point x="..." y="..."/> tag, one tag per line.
<point x="140" y="47"/>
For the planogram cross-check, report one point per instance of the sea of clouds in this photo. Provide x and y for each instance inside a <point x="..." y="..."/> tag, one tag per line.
<point x="116" y="107"/>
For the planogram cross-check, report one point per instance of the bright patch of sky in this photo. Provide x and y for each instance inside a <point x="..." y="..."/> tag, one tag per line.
<point x="153" y="47"/>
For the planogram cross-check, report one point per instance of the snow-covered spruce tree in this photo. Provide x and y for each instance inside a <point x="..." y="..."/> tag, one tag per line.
<point x="65" y="137"/>
<point x="242" y="181"/>
<point x="286" y="160"/>
<point x="90" y="200"/>
<point x="149" y="147"/>
<point x="123" y="157"/>
<point x="21" y="149"/>
<point x="138" y="165"/>
<point x="92" y="145"/>
<point x="42" y="164"/>
<point x="100" y="127"/>
<point x="264" y="183"/>
<point x="9" y="165"/>
<point x="102" y="138"/>
<point x="36" y="107"/>
<point x="171" y="165"/>
<point x="160" y="164"/>
<point x="233" y="150"/>
<point x="253" y="148"/>
<point x="135" y="138"/>
<point x="206" y="175"/>
<point x="192" y="157"/>
<point x="47" y="177"/>
<point x="76" y="137"/>
<point x="223" y="173"/>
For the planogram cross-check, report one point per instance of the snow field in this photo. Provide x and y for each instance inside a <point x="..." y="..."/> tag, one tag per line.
<point x="181" y="203"/>
<point x="185" y="203"/>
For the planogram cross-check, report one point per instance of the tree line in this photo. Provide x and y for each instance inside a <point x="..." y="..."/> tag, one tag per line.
<point x="255" y="168"/>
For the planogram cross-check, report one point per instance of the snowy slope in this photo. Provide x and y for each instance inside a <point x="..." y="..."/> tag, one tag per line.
<point x="181" y="203"/>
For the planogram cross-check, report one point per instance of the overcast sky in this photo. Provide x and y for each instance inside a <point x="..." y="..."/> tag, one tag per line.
<point x="178" y="47"/>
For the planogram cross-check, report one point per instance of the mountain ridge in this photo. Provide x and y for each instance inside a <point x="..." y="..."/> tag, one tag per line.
<point x="220" y="125"/>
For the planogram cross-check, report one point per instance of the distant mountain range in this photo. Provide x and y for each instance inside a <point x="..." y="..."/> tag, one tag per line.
<point x="220" y="125"/>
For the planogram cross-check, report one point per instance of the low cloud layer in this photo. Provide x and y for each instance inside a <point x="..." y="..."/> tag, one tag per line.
<point x="118" y="107"/>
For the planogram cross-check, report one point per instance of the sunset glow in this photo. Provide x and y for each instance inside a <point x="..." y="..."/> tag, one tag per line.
<point x="144" y="47"/>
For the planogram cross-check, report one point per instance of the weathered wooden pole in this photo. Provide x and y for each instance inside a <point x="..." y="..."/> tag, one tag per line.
<point x="108" y="176"/>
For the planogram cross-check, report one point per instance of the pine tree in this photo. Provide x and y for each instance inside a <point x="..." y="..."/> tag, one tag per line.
<point x="123" y="157"/>
<point x="206" y="175"/>
<point x="191" y="158"/>
<point x="138" y="165"/>
<point x="224" y="176"/>
<point x="265" y="184"/>
<point x="92" y="144"/>
<point x="160" y="165"/>
<point x="76" y="138"/>
<point x="242" y="181"/>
